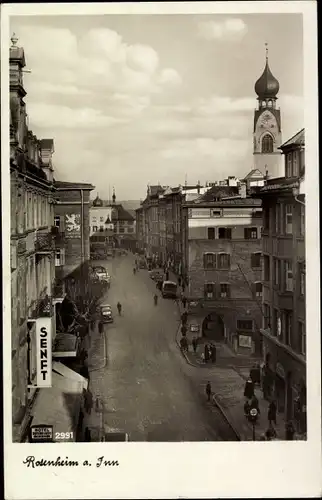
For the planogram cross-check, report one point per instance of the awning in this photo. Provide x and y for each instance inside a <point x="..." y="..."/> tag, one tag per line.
<point x="66" y="372"/>
<point x="65" y="345"/>
<point x="59" y="406"/>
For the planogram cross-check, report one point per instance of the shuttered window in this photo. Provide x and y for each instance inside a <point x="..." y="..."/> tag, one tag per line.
<point x="209" y="260"/>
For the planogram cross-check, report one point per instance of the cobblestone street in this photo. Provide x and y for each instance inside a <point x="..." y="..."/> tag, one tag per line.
<point x="147" y="388"/>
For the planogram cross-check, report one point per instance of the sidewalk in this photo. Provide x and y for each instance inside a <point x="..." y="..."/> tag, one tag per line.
<point x="227" y="377"/>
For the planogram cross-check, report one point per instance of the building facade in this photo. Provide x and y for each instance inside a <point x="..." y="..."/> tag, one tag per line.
<point x="32" y="201"/>
<point x="222" y="266"/>
<point x="283" y="330"/>
<point x="100" y="216"/>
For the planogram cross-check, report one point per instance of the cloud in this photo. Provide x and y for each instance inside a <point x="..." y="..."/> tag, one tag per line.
<point x="232" y="29"/>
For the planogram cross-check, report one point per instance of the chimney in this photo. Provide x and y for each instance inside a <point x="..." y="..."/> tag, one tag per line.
<point x="242" y="190"/>
<point x="198" y="187"/>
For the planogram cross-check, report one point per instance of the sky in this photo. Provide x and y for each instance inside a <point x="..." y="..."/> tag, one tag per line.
<point x="132" y="100"/>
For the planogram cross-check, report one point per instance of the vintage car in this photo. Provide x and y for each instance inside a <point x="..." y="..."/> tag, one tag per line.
<point x="106" y="314"/>
<point x="156" y="275"/>
<point x="102" y="273"/>
<point x="169" y="290"/>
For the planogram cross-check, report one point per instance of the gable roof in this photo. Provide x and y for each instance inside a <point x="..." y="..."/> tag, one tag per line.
<point x="61" y="185"/>
<point x="121" y="214"/>
<point x="297" y="139"/>
<point x="254" y="173"/>
<point x="216" y="192"/>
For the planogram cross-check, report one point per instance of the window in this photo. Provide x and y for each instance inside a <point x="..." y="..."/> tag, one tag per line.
<point x="288" y="276"/>
<point x="295" y="169"/>
<point x="277" y="330"/>
<point x="288" y="219"/>
<point x="244" y="324"/>
<point x="216" y="213"/>
<point x="277" y="272"/>
<point x="225" y="290"/>
<point x="267" y="270"/>
<point x="258" y="289"/>
<point x="57" y="220"/>
<point x="302" y="279"/>
<point x="95" y="228"/>
<point x="250" y="233"/>
<point x="224" y="233"/>
<point x="209" y="290"/>
<point x="101" y="228"/>
<point x="209" y="260"/>
<point x="302" y="220"/>
<point x="211" y="233"/>
<point x="256" y="259"/>
<point x="289" y="165"/>
<point x="302" y="338"/>
<point x="265" y="219"/>
<point x="267" y="144"/>
<point x="223" y="261"/>
<point x="267" y="316"/>
<point x="59" y="257"/>
<point x="94" y="219"/>
<point x="130" y="230"/>
<point x="101" y="219"/>
<point x="277" y="218"/>
<point x="288" y="318"/>
<point x="121" y="230"/>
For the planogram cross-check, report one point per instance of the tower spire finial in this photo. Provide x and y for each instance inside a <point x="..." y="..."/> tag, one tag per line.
<point x="14" y="39"/>
<point x="266" y="50"/>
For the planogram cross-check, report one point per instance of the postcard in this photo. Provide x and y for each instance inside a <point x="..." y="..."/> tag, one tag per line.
<point x="160" y="241"/>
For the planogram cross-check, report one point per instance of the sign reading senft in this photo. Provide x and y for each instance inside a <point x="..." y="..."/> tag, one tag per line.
<point x="44" y="354"/>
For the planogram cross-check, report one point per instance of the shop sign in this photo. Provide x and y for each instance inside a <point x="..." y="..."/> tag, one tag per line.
<point x="43" y="351"/>
<point x="280" y="370"/>
<point x="245" y="341"/>
<point x="194" y="328"/>
<point x="41" y="434"/>
<point x="72" y="226"/>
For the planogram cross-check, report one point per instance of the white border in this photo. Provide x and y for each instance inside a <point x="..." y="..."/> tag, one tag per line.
<point x="156" y="470"/>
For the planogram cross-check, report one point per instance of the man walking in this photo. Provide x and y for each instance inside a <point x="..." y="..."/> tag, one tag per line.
<point x="208" y="390"/>
<point x="272" y="409"/>
<point x="194" y="344"/>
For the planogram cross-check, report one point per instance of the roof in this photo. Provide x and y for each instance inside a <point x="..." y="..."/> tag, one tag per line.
<point x="298" y="139"/>
<point x="154" y="190"/>
<point x="122" y="214"/>
<point x="254" y="173"/>
<point x="267" y="86"/>
<point x="47" y="143"/>
<point x="216" y="192"/>
<point x="63" y="185"/>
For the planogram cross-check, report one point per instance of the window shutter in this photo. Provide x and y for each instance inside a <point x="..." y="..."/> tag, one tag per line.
<point x="214" y="260"/>
<point x="228" y="260"/>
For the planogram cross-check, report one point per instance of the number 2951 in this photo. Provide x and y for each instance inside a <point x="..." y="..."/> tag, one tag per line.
<point x="64" y="436"/>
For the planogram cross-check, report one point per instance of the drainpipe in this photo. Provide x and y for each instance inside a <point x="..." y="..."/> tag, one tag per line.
<point x="82" y="226"/>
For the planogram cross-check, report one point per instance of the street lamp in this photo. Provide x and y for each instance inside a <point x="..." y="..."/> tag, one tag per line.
<point x="253" y="414"/>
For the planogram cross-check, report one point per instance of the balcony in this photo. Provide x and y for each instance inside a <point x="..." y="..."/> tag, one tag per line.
<point x="41" y="308"/>
<point x="44" y="243"/>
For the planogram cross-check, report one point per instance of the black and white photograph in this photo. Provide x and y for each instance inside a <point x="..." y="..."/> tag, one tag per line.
<point x="163" y="252"/>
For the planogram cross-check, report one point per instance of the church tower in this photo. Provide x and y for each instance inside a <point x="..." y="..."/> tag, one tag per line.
<point x="267" y="126"/>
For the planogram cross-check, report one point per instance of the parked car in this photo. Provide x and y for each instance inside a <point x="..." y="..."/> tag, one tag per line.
<point x="155" y="275"/>
<point x="142" y="264"/>
<point x="102" y="273"/>
<point x="106" y="313"/>
<point x="169" y="290"/>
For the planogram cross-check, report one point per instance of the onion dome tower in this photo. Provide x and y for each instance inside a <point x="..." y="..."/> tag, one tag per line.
<point x="267" y="132"/>
<point x="97" y="202"/>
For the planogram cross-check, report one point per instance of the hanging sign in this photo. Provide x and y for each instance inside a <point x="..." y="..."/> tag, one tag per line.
<point x="43" y="351"/>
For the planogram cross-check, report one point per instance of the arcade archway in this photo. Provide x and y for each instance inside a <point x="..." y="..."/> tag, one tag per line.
<point x="213" y="327"/>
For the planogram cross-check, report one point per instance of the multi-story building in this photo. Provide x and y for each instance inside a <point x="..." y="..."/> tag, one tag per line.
<point x="283" y="330"/>
<point x="222" y="265"/>
<point x="32" y="248"/>
<point x="100" y="216"/>
<point x="72" y="252"/>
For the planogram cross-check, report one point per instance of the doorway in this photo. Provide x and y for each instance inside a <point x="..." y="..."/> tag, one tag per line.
<point x="213" y="327"/>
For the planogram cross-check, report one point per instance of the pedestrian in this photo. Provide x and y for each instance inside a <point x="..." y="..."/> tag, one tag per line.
<point x="119" y="308"/>
<point x="194" y="344"/>
<point x="84" y="372"/>
<point x="167" y="276"/>
<point x="184" y="301"/>
<point x="253" y="375"/>
<point x="255" y="404"/>
<point x="134" y="270"/>
<point x="155" y="300"/>
<point x="247" y="408"/>
<point x="184" y="317"/>
<point x="207" y="354"/>
<point x="100" y="327"/>
<point x="213" y="354"/>
<point x="289" y="431"/>
<point x="271" y="415"/>
<point x="183" y="330"/>
<point x="183" y="287"/>
<point x="208" y="390"/>
<point x="249" y="389"/>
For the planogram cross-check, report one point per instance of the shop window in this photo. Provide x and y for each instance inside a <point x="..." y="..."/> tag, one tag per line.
<point x="288" y="219"/>
<point x="302" y="337"/>
<point x="209" y="290"/>
<point x="211" y="233"/>
<point x="224" y="233"/>
<point x="250" y="233"/>
<point x="267" y="144"/>
<point x="288" y="276"/>
<point x="223" y="261"/>
<point x="267" y="269"/>
<point x="245" y="324"/>
<point x="256" y="259"/>
<point x="225" y="290"/>
<point x="209" y="260"/>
